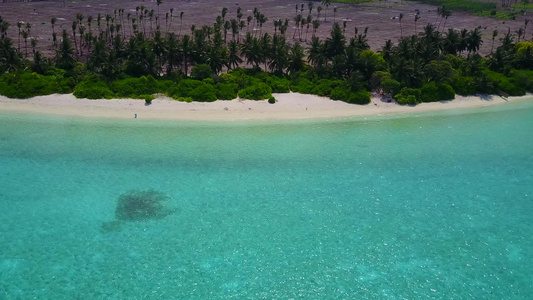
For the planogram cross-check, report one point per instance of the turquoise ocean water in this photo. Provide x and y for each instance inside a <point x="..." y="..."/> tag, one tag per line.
<point x="425" y="206"/>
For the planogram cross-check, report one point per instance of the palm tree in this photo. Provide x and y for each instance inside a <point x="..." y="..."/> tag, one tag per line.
<point x="25" y="36"/>
<point x="224" y="12"/>
<point x="186" y="51"/>
<point x="233" y="55"/>
<point x="326" y="3"/>
<point x="451" y="42"/>
<point x="334" y="14"/>
<point x="234" y="28"/>
<point x="181" y="22"/>
<point x="494" y="35"/>
<point x="266" y="49"/>
<point x="297" y="20"/>
<point x="74" y="26"/>
<point x="417" y="17"/>
<point x="316" y="24"/>
<point x="227" y="26"/>
<point x="446" y="14"/>
<point x="308" y="22"/>
<point x="159" y="48"/>
<point x="318" y="10"/>
<point x="65" y="53"/>
<point x="519" y="33"/>
<point x="53" y="22"/>
<point x="278" y="57"/>
<point x="310" y="6"/>
<point x="158" y="2"/>
<point x="296" y="56"/>
<point x="526" y="21"/>
<point x="173" y="53"/>
<point x="19" y="25"/>
<point x="262" y="19"/>
<point x="474" y="40"/>
<point x="336" y="43"/>
<point x="217" y="58"/>
<point x="251" y="50"/>
<point x="401" y="29"/>
<point x="248" y="20"/>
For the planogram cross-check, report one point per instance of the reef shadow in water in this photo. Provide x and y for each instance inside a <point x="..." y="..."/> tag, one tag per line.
<point x="135" y="206"/>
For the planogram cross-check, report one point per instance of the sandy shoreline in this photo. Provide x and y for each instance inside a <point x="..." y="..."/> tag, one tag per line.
<point x="291" y="106"/>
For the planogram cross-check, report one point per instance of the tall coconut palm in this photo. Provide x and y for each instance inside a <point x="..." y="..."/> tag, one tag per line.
<point x="297" y="20"/>
<point x="310" y="6"/>
<point x="19" y="25"/>
<point x="326" y="3"/>
<point x="494" y="35"/>
<point x="251" y="50"/>
<point x="417" y="17"/>
<point x="278" y="57"/>
<point x="158" y="2"/>
<point x="316" y="24"/>
<point x="53" y="22"/>
<point x="474" y="40"/>
<point x="173" y="54"/>
<point x="401" y="29"/>
<point x="233" y="55"/>
<point x="296" y="58"/>
<point x="181" y="23"/>
<point x="186" y="48"/>
<point x="526" y="21"/>
<point x="65" y="53"/>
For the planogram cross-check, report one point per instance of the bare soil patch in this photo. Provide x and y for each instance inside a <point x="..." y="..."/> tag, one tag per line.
<point x="379" y="17"/>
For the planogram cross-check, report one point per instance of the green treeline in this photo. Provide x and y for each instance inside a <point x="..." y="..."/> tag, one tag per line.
<point x="127" y="56"/>
<point x="466" y="5"/>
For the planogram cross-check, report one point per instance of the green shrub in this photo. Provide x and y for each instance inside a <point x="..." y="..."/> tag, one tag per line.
<point x="431" y="92"/>
<point x="135" y="87"/>
<point x="258" y="91"/>
<point x="184" y="88"/>
<point x="523" y="79"/>
<point x="77" y="73"/>
<point x="377" y="79"/>
<point x="464" y="86"/>
<point x="271" y="100"/>
<point x="279" y="85"/>
<point x="324" y="87"/>
<point x="359" y="97"/>
<point x="239" y="77"/>
<point x="227" y="91"/>
<point x="390" y="86"/>
<point x="341" y="93"/>
<point x="93" y="88"/>
<point x="303" y="86"/>
<point x="164" y="86"/>
<point x="504" y="84"/>
<point x="203" y="93"/>
<point x="25" y="85"/>
<point x="201" y="72"/>
<point x="148" y="98"/>
<point x="408" y="96"/>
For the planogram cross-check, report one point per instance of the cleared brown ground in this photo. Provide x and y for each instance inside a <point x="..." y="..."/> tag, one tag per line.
<point x="378" y="17"/>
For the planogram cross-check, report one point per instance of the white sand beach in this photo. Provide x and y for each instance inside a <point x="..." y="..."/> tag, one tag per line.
<point x="291" y="106"/>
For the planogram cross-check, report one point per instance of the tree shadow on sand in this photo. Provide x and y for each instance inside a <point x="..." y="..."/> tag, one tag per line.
<point x="136" y="206"/>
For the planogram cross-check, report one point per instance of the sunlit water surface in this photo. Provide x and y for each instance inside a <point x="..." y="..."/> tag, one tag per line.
<point x="435" y="205"/>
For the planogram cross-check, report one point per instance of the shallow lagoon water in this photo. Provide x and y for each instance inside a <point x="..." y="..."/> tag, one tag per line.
<point x="434" y="205"/>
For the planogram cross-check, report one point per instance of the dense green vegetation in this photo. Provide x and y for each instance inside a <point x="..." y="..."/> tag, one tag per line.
<point x="466" y="5"/>
<point x="215" y="62"/>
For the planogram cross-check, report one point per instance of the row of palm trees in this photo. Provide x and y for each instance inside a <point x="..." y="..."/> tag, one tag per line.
<point x="144" y="49"/>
